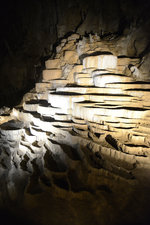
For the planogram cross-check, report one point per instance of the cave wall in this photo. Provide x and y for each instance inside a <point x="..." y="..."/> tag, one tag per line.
<point x="31" y="28"/>
<point x="77" y="150"/>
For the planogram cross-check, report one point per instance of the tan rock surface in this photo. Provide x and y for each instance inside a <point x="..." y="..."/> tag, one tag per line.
<point x="79" y="135"/>
<point x="51" y="74"/>
<point x="100" y="62"/>
<point x="70" y="57"/>
<point x="52" y="64"/>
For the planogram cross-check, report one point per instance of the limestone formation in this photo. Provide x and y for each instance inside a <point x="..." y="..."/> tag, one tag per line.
<point x="71" y="130"/>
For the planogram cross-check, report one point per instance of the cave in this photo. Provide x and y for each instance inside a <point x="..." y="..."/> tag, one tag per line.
<point x="74" y="112"/>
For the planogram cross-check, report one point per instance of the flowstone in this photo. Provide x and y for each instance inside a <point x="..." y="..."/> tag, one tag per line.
<point x="80" y="139"/>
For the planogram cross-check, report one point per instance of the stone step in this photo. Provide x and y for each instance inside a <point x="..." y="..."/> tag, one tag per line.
<point x="117" y="104"/>
<point x="136" y="150"/>
<point x="75" y="69"/>
<point x="83" y="133"/>
<point x="98" y="129"/>
<point x="81" y="75"/>
<point x="134" y="85"/>
<point x="62" y="117"/>
<point x="86" y="112"/>
<point x="125" y="61"/>
<point x="31" y="106"/>
<point x="100" y="62"/>
<point x="30" y="95"/>
<point x="80" y="126"/>
<point x="100" y="101"/>
<point x="112" y="103"/>
<point x="41" y="126"/>
<point x="46" y="125"/>
<point x="39" y="133"/>
<point x="142" y="162"/>
<point x="4" y="119"/>
<point x="52" y="74"/>
<point x="138" y="140"/>
<point x="78" y="120"/>
<point x="101" y="98"/>
<point x="142" y="94"/>
<point x="48" y="110"/>
<point x="120" y="125"/>
<point x="48" y="86"/>
<point x="103" y="80"/>
<point x="12" y="129"/>
<point x="143" y="128"/>
<point x="100" y="118"/>
<point x="37" y="102"/>
<point x="28" y="136"/>
<point x="107" y="106"/>
<point x="37" y="148"/>
<point x="25" y="142"/>
<point x="64" y="101"/>
<point x="111" y="99"/>
<point x="52" y="64"/>
<point x="24" y="116"/>
<point x="43" y="86"/>
<point x="68" y="45"/>
<point x="120" y="69"/>
<point x="70" y="57"/>
<point x="87" y="70"/>
<point x="91" y="90"/>
<point x="23" y="149"/>
<point x="85" y="81"/>
<point x="58" y="83"/>
<point x="62" y="124"/>
<point x="51" y="111"/>
<point x="119" y="158"/>
<point x="42" y="95"/>
<point x="101" y="72"/>
<point x="101" y="131"/>
<point x="68" y="129"/>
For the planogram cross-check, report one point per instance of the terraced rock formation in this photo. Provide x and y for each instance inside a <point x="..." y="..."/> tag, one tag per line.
<point x="79" y="142"/>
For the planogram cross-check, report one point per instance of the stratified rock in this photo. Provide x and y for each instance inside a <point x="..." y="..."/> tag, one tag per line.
<point x="52" y="64"/>
<point x="100" y="62"/>
<point x="103" y="80"/>
<point x="51" y="74"/>
<point x="83" y="131"/>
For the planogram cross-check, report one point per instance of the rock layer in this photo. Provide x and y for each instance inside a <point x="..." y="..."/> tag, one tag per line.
<point x="30" y="30"/>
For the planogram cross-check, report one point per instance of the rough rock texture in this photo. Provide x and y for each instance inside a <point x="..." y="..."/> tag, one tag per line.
<point x="29" y="29"/>
<point x="77" y="148"/>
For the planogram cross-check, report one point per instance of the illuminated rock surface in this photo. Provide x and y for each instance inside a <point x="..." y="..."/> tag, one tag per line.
<point x="77" y="149"/>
